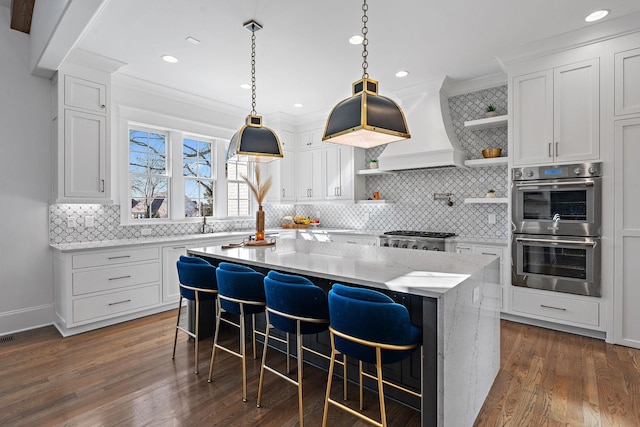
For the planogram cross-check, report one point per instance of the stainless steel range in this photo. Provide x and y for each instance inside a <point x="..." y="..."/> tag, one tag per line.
<point x="424" y="240"/>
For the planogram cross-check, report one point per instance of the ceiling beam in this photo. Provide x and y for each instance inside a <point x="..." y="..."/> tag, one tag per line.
<point x="21" y="13"/>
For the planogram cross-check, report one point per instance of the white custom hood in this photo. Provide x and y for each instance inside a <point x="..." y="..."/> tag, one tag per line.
<point x="433" y="141"/>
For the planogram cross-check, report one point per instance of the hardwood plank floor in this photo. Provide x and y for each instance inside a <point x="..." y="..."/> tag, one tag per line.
<point x="123" y="375"/>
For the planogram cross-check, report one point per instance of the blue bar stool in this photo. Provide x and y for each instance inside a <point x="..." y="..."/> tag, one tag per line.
<point x="294" y="306"/>
<point x="240" y="292"/>
<point x="371" y="327"/>
<point x="197" y="283"/>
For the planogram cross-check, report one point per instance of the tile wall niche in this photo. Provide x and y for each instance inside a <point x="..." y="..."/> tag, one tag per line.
<point x="412" y="191"/>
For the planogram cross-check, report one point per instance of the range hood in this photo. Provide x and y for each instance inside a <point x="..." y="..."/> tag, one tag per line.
<point x="433" y="141"/>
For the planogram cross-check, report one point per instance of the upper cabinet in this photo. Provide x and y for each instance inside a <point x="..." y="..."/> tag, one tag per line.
<point x="557" y="114"/>
<point x="81" y="126"/>
<point x="309" y="180"/>
<point x="627" y="82"/>
<point x="309" y="139"/>
<point x="339" y="172"/>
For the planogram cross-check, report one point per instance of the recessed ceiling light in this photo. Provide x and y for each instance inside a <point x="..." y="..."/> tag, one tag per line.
<point x="245" y="86"/>
<point x="170" y="59"/>
<point x="192" y="40"/>
<point x="402" y="73"/>
<point x="298" y="105"/>
<point x="356" y="39"/>
<point x="597" y="15"/>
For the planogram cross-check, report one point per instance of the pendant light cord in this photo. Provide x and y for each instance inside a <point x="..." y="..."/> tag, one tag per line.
<point x="253" y="70"/>
<point x="365" y="41"/>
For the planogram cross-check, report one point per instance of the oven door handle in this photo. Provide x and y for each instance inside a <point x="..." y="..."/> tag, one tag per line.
<point x="587" y="183"/>
<point x="562" y="242"/>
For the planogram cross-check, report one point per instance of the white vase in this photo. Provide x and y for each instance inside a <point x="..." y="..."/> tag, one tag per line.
<point x="490" y="195"/>
<point x="490" y="114"/>
<point x="373" y="165"/>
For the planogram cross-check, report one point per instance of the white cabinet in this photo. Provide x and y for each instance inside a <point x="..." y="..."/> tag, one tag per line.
<point x="309" y="180"/>
<point x="556" y="307"/>
<point x="627" y="82"/>
<point x="309" y="139"/>
<point x="102" y="287"/>
<point x="492" y="250"/>
<point x="338" y="172"/>
<point x="557" y="114"/>
<point x="81" y="126"/>
<point x="359" y="239"/>
<point x="170" y="255"/>
<point x="283" y="173"/>
<point x="627" y="233"/>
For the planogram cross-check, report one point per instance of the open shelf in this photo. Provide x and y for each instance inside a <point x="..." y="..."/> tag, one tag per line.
<point x="487" y="200"/>
<point x="489" y="122"/>
<point x="374" y="202"/>
<point x="479" y="163"/>
<point x="374" y="172"/>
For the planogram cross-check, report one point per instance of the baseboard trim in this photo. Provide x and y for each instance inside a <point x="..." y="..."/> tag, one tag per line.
<point x="555" y="326"/>
<point x="16" y="321"/>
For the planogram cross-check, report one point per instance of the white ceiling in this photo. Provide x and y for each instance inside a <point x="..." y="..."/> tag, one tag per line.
<point x="303" y="54"/>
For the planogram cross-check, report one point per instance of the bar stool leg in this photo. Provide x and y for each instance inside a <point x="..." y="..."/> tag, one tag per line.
<point x="253" y="333"/>
<point x="383" y="410"/>
<point x="329" y="380"/>
<point x="300" y="373"/>
<point x="197" y="327"/>
<point x="243" y="351"/>
<point x="264" y="361"/>
<point x="288" y="355"/>
<point x="175" y="338"/>
<point x="360" y="381"/>
<point x="215" y="338"/>
<point x="344" y="377"/>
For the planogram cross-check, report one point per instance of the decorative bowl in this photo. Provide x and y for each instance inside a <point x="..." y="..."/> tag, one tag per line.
<point x="489" y="153"/>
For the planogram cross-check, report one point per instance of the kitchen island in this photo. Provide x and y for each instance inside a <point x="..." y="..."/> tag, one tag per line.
<point x="459" y="297"/>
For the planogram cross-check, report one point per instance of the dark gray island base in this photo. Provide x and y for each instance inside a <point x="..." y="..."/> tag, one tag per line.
<point x="454" y="297"/>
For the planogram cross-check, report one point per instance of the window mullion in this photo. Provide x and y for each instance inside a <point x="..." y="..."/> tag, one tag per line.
<point x="176" y="179"/>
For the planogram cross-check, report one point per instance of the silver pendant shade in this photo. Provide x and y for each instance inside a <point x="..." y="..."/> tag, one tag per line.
<point x="366" y="119"/>
<point x="254" y="142"/>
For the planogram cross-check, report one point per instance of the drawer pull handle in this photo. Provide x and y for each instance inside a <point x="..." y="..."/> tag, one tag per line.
<point x="119" y="302"/>
<point x="121" y="277"/>
<point x="178" y="247"/>
<point x="554" y="308"/>
<point x="119" y="257"/>
<point x="488" y="253"/>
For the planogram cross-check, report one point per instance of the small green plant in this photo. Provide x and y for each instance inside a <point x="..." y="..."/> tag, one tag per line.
<point x="491" y="108"/>
<point x="373" y="161"/>
<point x="491" y="191"/>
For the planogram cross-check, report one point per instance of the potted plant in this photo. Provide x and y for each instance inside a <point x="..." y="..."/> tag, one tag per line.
<point x="491" y="194"/>
<point x="490" y="111"/>
<point x="373" y="164"/>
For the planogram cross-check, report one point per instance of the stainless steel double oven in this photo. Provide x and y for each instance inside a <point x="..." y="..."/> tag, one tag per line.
<point x="556" y="227"/>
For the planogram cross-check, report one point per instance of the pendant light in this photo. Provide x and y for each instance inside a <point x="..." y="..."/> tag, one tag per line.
<point x="254" y="142"/>
<point x="366" y="119"/>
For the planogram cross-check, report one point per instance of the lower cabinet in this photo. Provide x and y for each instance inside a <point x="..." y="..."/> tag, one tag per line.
<point x="556" y="307"/>
<point x="354" y="239"/>
<point x="493" y="250"/>
<point x="101" y="287"/>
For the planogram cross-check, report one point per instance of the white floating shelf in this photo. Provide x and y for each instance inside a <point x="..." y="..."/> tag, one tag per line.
<point x="489" y="200"/>
<point x="374" y="202"/>
<point x="374" y="172"/>
<point x="479" y="163"/>
<point x="490" y="122"/>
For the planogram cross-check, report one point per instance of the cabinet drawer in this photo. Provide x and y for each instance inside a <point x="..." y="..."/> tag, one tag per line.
<point x="113" y="278"/>
<point x="115" y="303"/>
<point x="489" y="250"/>
<point x="85" y="94"/>
<point x="114" y="257"/>
<point x="557" y="307"/>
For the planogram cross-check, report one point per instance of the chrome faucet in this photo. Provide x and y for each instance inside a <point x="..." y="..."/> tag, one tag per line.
<point x="204" y="224"/>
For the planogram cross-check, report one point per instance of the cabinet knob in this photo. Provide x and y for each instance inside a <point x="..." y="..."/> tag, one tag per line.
<point x="103" y="106"/>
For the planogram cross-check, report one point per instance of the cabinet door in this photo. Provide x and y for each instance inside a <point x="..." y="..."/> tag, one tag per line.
<point x="170" y="287"/>
<point x="287" y="139"/>
<point x="309" y="139"/>
<point x="85" y="94"/>
<point x="533" y="118"/>
<point x="84" y="155"/>
<point x="627" y="83"/>
<point x="310" y="175"/>
<point x="627" y="234"/>
<point x="577" y="111"/>
<point x="331" y="161"/>
<point x="345" y="191"/>
<point x="288" y="176"/>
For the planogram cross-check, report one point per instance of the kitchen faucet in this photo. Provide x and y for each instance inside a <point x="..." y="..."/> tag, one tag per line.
<point x="204" y="224"/>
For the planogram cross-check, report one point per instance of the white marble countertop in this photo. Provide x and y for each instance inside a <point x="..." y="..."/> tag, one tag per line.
<point x="430" y="274"/>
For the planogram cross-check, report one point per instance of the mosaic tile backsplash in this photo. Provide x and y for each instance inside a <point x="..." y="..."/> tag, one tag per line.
<point x="411" y="192"/>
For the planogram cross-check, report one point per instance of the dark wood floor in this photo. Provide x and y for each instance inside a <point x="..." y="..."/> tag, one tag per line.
<point x="124" y="375"/>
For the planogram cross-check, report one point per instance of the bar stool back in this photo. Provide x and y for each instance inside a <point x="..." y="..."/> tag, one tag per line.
<point x="240" y="292"/>
<point x="371" y="327"/>
<point x="197" y="283"/>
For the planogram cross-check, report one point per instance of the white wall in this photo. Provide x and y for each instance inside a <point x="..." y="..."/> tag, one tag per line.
<point x="26" y="271"/>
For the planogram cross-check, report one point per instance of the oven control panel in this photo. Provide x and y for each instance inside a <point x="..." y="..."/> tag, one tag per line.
<point x="577" y="170"/>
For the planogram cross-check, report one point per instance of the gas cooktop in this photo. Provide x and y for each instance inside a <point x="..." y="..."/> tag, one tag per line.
<point x="423" y="234"/>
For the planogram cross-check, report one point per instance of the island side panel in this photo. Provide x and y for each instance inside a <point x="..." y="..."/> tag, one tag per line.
<point x="430" y="352"/>
<point x="469" y="339"/>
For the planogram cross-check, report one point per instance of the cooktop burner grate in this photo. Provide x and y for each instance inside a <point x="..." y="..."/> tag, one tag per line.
<point x="427" y="234"/>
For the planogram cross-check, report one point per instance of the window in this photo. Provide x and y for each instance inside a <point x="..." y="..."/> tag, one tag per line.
<point x="149" y="178"/>
<point x="198" y="182"/>
<point x="237" y="189"/>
